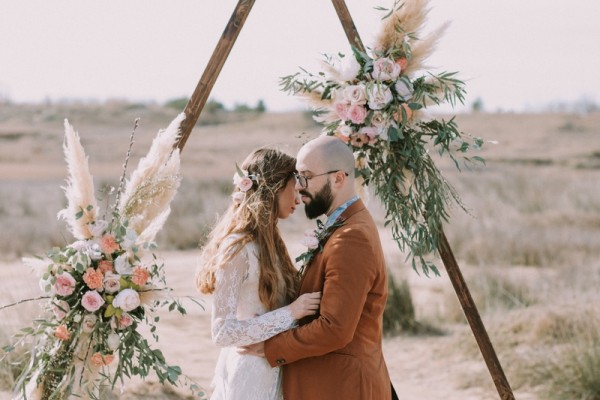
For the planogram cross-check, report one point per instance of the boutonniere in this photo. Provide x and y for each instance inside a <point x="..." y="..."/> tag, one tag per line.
<point x="314" y="240"/>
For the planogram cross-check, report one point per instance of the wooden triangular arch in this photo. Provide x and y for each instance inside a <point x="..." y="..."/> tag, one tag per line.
<point x="198" y="100"/>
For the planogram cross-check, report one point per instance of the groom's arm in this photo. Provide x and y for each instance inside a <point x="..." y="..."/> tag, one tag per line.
<point x="349" y="274"/>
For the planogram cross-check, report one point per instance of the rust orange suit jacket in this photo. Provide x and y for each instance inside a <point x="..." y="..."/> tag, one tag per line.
<point x="337" y="353"/>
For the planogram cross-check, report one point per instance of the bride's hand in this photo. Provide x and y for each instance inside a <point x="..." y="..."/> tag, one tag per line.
<point x="306" y="304"/>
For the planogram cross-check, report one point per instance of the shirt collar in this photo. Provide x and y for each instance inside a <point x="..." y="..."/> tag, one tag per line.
<point x="338" y="211"/>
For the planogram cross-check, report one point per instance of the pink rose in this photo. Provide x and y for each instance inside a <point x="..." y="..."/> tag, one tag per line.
<point x="341" y="110"/>
<point x="385" y="69"/>
<point x="357" y="114"/>
<point x="127" y="300"/>
<point x="238" y="197"/>
<point x="60" y="308"/>
<point x="92" y="301"/>
<point x="245" y="184"/>
<point x="310" y="239"/>
<point x="122" y="322"/>
<point x="65" y="284"/>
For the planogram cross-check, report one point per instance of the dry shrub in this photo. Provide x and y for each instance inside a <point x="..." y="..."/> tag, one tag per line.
<point x="571" y="370"/>
<point x="399" y="314"/>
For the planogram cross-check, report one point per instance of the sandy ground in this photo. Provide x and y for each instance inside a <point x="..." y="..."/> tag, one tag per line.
<point x="420" y="367"/>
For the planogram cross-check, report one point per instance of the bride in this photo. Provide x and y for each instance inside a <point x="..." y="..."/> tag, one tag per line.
<point x="245" y="264"/>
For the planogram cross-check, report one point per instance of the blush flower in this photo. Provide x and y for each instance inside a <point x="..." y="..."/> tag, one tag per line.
<point x="65" y="284"/>
<point x="93" y="279"/>
<point x="385" y="69"/>
<point x="379" y="96"/>
<point x="342" y="110"/>
<point x="357" y="114"/>
<point x="140" y="276"/>
<point x="127" y="300"/>
<point x="62" y="333"/>
<point x="60" y="308"/>
<point x="109" y="244"/>
<point x="356" y="94"/>
<point x="371" y="132"/>
<point x="112" y="282"/>
<point x="122" y="322"/>
<point x="245" y="184"/>
<point x="92" y="301"/>
<point x="310" y="239"/>
<point x="238" y="197"/>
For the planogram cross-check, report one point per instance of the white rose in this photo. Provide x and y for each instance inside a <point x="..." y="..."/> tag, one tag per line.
<point x="89" y="322"/>
<point x="404" y="89"/>
<point x="113" y="341"/>
<point x="356" y="94"/>
<point x="379" y="96"/>
<point x="122" y="265"/>
<point x="345" y="130"/>
<point x="349" y="69"/>
<point x="112" y="282"/>
<point x="127" y="300"/>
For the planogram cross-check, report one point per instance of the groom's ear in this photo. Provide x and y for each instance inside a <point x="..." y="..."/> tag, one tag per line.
<point x="340" y="178"/>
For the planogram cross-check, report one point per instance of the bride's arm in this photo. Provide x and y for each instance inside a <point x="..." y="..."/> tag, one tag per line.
<point x="227" y="330"/>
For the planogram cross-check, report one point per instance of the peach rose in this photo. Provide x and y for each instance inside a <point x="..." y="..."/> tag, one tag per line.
<point x="100" y="360"/>
<point x="402" y="62"/>
<point x="93" y="279"/>
<point x="105" y="266"/>
<point x="62" y="333"/>
<point x="109" y="244"/>
<point x="140" y="276"/>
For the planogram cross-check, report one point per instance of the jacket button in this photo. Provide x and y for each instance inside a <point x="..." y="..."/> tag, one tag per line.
<point x="280" y="361"/>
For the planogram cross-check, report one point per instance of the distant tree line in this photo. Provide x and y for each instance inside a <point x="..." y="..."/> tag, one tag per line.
<point x="213" y="106"/>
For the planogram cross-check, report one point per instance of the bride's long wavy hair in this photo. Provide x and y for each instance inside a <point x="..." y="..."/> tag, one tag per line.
<point x="255" y="219"/>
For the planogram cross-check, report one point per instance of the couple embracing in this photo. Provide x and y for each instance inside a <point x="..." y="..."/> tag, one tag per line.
<point x="313" y="336"/>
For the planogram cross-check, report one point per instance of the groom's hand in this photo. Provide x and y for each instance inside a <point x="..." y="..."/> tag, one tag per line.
<point x="256" y="349"/>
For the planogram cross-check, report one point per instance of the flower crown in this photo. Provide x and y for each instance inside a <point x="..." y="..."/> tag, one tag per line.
<point x="244" y="182"/>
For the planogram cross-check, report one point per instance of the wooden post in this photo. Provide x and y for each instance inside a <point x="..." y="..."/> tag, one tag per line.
<point x="454" y="273"/>
<point x="215" y="64"/>
<point x="472" y="315"/>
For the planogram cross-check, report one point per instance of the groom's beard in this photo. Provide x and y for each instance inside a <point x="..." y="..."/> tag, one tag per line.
<point x="319" y="203"/>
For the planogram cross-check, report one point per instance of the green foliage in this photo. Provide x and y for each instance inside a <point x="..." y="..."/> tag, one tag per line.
<point x="177" y="104"/>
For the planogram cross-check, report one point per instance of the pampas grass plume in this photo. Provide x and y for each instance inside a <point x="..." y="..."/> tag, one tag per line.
<point x="80" y="187"/>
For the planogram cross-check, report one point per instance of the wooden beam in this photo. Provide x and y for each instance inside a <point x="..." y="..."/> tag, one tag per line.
<point x="213" y="69"/>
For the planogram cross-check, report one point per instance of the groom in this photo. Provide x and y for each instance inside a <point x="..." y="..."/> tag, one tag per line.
<point x="337" y="353"/>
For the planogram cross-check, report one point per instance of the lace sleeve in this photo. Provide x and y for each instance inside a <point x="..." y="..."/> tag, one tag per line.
<point x="227" y="330"/>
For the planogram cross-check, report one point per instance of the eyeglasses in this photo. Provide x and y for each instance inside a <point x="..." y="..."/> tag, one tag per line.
<point x="303" y="180"/>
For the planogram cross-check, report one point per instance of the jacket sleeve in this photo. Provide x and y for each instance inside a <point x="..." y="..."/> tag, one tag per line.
<point x="349" y="276"/>
<point x="226" y="328"/>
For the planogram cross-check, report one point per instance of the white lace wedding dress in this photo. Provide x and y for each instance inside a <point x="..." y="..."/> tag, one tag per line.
<point x="238" y="319"/>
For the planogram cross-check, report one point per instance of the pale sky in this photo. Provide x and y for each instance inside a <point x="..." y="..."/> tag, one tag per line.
<point x="516" y="55"/>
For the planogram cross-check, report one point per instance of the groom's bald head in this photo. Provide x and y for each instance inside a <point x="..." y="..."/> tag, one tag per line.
<point x="327" y="153"/>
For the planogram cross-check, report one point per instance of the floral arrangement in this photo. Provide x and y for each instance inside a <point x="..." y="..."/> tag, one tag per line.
<point x="314" y="240"/>
<point x="106" y="284"/>
<point x="375" y="101"/>
<point x="243" y="182"/>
